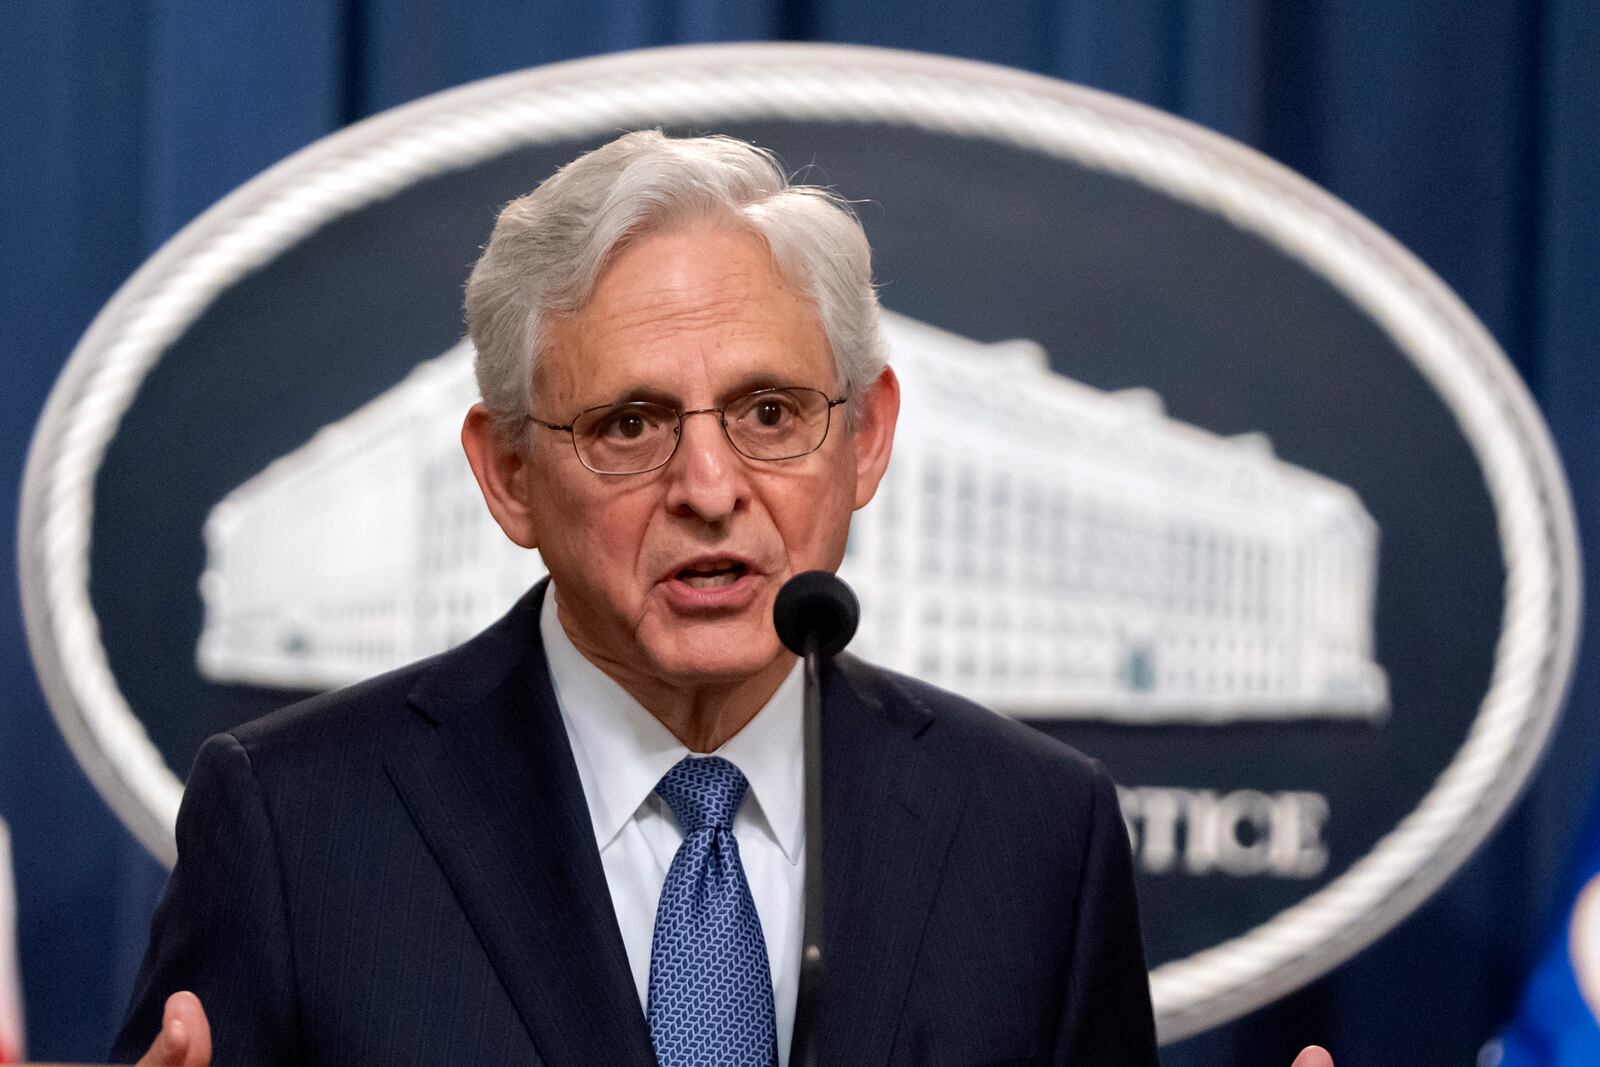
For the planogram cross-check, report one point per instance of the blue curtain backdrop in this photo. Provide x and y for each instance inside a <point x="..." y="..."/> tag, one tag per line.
<point x="1469" y="129"/>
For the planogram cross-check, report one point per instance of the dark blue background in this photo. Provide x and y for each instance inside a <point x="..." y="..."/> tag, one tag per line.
<point x="1471" y="131"/>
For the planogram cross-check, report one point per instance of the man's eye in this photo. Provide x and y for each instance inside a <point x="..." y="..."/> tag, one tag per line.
<point x="771" y="412"/>
<point x="624" y="425"/>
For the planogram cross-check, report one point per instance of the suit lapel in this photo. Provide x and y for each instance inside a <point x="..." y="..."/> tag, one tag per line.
<point x="494" y="791"/>
<point x="889" y="812"/>
<point x="492" y="787"/>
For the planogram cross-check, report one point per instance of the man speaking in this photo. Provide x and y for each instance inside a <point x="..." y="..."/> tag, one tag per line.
<point x="578" y="839"/>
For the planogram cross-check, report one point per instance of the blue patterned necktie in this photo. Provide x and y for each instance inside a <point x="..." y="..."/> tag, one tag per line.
<point x="710" y="987"/>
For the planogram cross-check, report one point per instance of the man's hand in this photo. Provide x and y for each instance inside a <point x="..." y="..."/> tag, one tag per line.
<point x="185" y="1037"/>
<point x="1313" y="1056"/>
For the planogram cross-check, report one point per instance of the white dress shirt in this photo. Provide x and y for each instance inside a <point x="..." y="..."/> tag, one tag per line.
<point x="622" y="751"/>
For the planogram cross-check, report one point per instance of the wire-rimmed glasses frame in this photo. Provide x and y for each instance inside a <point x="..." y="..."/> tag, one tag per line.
<point x="810" y="410"/>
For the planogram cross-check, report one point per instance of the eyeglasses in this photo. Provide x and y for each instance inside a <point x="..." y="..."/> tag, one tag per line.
<point x="639" y="437"/>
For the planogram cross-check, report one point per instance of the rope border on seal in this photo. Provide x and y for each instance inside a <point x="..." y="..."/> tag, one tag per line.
<point x="381" y="156"/>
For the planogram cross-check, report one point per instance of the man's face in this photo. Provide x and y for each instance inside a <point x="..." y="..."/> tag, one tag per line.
<point x="672" y="574"/>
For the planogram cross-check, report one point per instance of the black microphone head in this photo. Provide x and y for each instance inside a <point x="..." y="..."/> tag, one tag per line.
<point x="816" y="604"/>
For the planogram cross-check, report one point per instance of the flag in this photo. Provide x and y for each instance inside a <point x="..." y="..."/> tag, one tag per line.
<point x="10" y="982"/>
<point x="1558" y="1022"/>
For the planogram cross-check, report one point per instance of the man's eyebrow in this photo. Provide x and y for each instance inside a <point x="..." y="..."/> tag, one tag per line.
<point x="640" y="394"/>
<point x="749" y="383"/>
<point x="757" y="380"/>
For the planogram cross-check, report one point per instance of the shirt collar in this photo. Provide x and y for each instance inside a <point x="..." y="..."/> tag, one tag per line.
<point x="622" y="750"/>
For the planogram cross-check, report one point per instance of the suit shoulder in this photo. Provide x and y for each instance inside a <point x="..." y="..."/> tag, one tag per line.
<point x="370" y="709"/>
<point x="353" y="714"/>
<point x="985" y="737"/>
<point x="368" y="712"/>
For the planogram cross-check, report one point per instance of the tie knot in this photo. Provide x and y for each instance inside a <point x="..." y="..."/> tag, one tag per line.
<point x="703" y="792"/>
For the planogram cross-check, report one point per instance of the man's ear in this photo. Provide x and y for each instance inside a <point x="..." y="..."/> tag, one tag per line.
<point x="874" y="438"/>
<point x="505" y="477"/>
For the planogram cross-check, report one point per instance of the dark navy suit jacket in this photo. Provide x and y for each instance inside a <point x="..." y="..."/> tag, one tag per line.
<point x="404" y="872"/>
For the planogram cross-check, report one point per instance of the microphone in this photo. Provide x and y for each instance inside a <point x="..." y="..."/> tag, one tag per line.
<point x="815" y="615"/>
<point x="816" y="606"/>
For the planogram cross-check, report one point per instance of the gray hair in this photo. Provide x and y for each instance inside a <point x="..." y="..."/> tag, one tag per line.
<point x="549" y="247"/>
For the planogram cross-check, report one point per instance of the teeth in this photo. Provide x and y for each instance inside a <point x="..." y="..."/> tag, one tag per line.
<point x="716" y="567"/>
<point x="707" y="581"/>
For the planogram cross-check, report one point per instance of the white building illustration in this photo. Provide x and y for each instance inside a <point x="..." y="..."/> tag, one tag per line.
<point x="1046" y="548"/>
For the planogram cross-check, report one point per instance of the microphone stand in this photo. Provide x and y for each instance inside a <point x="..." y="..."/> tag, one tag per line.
<point x="803" y="1051"/>
<point x="815" y="615"/>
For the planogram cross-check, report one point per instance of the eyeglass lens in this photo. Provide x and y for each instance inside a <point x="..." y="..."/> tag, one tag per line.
<point x="768" y="424"/>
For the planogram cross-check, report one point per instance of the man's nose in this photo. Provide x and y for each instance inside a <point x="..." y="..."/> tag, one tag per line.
<point x="706" y="477"/>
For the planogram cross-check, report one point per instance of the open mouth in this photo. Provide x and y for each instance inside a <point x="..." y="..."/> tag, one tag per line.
<point x="709" y="574"/>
